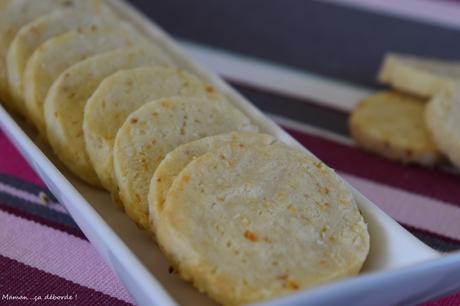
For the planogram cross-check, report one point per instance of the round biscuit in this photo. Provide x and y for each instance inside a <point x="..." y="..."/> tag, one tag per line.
<point x="419" y="76"/>
<point x="49" y="60"/>
<point x="154" y="130"/>
<point x="253" y="223"/>
<point x="121" y="94"/>
<point x="33" y="34"/>
<point x="392" y="125"/>
<point x="177" y="159"/>
<point x="66" y="99"/>
<point x="443" y="120"/>
<point x="16" y="13"/>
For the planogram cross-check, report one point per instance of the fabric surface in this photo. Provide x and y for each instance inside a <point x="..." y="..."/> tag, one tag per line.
<point x="304" y="63"/>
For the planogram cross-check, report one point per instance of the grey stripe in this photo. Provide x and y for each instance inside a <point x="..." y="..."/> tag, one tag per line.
<point x="301" y="111"/>
<point x="324" y="38"/>
<point x="37" y="210"/>
<point x="23" y="185"/>
<point x="436" y="242"/>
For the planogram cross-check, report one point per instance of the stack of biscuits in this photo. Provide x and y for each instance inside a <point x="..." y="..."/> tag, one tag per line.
<point x="239" y="214"/>
<point x="418" y="120"/>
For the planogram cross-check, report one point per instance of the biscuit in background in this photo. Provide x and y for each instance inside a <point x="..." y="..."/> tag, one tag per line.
<point x="66" y="100"/>
<point x="392" y="124"/>
<point x="157" y="128"/>
<point x="443" y="120"/>
<point x="60" y="52"/>
<point x="121" y="94"/>
<point x="247" y="224"/>
<point x="176" y="160"/>
<point x="419" y="76"/>
<point x="33" y="34"/>
<point x="16" y="13"/>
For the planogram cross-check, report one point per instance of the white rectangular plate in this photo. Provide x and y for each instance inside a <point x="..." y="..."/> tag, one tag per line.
<point x="400" y="268"/>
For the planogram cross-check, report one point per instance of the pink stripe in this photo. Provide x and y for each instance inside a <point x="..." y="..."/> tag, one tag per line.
<point x="58" y="253"/>
<point x="12" y="163"/>
<point x="30" y="197"/>
<point x="31" y="282"/>
<point x="411" y="209"/>
<point x="453" y="300"/>
<point x="353" y="160"/>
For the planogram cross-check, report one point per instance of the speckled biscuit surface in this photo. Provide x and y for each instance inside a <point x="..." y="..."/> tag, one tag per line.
<point x="176" y="160"/>
<point x="419" y="76"/>
<point x="157" y="128"/>
<point x="31" y="35"/>
<point x="443" y="119"/>
<point x="121" y="94"/>
<point x="66" y="100"/>
<point x="49" y="61"/>
<point x="392" y="124"/>
<point x="246" y="224"/>
<point x="16" y="13"/>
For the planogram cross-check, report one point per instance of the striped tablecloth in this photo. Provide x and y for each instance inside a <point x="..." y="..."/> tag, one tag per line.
<point x="305" y="63"/>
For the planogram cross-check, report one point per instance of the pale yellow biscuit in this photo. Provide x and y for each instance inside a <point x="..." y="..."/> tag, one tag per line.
<point x="31" y="35"/>
<point x="62" y="51"/>
<point x="247" y="224"/>
<point x="443" y="120"/>
<point x="419" y="76"/>
<point x="155" y="129"/>
<point x="121" y="94"/>
<point x="176" y="160"/>
<point x="16" y="13"/>
<point x="392" y="124"/>
<point x="66" y="100"/>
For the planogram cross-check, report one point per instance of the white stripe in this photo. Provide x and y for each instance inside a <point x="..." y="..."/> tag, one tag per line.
<point x="311" y="130"/>
<point x="30" y="197"/>
<point x="438" y="12"/>
<point x="409" y="208"/>
<point x="278" y="78"/>
<point x="315" y="131"/>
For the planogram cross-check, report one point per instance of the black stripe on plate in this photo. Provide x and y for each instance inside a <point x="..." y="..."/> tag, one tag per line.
<point x="324" y="38"/>
<point x="303" y="111"/>
<point x="435" y="241"/>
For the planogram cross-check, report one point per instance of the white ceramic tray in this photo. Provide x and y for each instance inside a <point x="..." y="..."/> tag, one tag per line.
<point x="400" y="269"/>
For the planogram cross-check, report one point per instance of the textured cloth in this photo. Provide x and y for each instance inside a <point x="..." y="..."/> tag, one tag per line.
<point x="338" y="45"/>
